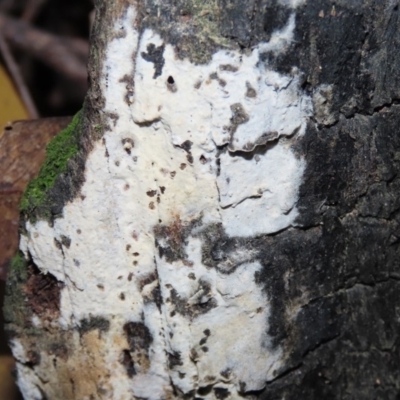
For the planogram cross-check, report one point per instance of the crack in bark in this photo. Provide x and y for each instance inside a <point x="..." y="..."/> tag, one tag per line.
<point x="319" y="344"/>
<point x="375" y="110"/>
<point x="285" y="373"/>
<point x="353" y="286"/>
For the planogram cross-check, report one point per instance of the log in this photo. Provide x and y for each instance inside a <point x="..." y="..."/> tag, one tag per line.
<point x="220" y="221"/>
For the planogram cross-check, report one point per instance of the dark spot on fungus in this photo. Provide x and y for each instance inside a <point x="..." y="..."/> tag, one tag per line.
<point x="101" y="287"/>
<point x="122" y="296"/>
<point x="138" y="336"/>
<point x="93" y="323"/>
<point x="126" y="186"/>
<point x="226" y="373"/>
<point x="182" y="166"/>
<point x="130" y="276"/>
<point x="207" y="332"/>
<point x="174" y="359"/>
<point x="173" y="173"/>
<point x="155" y="55"/>
<point x="203" y="160"/>
<point x="128" y="144"/>
<point x="78" y="231"/>
<point x="156" y="296"/>
<point x="251" y="92"/>
<point x="127" y="362"/>
<point x="114" y="117"/>
<point x="151" y="205"/>
<point x="136" y="254"/>
<point x="151" y="193"/>
<point x="189" y="157"/>
<point x="203" y="341"/>
<point x="221" y="393"/>
<point x="162" y="188"/>
<point x="204" y="390"/>
<point x="187" y="263"/>
<point x="205" y="349"/>
<point x="150" y="278"/>
<point x="128" y="247"/>
<point x="171" y="86"/>
<point x="193" y="354"/>
<point x="76" y="262"/>
<point x="174" y="235"/>
<point x="239" y="116"/>
<point x="228" y="67"/>
<point x="192" y="276"/>
<point x="65" y="241"/>
<point x="186" y="145"/>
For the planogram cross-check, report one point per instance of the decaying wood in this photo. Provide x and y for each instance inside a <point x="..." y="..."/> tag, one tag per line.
<point x="226" y="226"/>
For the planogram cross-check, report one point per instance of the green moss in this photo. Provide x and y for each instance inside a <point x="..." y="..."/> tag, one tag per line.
<point x="194" y="27"/>
<point x="15" y="310"/>
<point x="58" y="153"/>
<point x="205" y="14"/>
<point x="18" y="265"/>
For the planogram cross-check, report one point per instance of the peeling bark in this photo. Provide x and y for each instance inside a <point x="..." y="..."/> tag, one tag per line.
<point x="228" y="226"/>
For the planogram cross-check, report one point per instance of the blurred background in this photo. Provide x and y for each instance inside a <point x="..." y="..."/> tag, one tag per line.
<point x="43" y="55"/>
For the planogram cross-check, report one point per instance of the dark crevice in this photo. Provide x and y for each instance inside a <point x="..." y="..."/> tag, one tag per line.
<point x="318" y="345"/>
<point x="259" y="147"/>
<point x="345" y="288"/>
<point x="376" y="110"/>
<point x="285" y="373"/>
<point x="241" y="201"/>
<point x="144" y="124"/>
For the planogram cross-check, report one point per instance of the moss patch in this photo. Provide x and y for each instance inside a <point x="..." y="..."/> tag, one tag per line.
<point x="18" y="266"/>
<point x="15" y="300"/>
<point x="194" y="27"/>
<point x="59" y="151"/>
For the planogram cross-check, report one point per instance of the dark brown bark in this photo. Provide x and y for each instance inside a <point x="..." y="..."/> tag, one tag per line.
<point x="338" y="266"/>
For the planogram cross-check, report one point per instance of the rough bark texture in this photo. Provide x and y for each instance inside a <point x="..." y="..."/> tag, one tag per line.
<point x="299" y="300"/>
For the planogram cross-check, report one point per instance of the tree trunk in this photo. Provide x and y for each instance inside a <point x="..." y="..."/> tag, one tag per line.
<point x="221" y="219"/>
